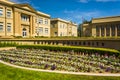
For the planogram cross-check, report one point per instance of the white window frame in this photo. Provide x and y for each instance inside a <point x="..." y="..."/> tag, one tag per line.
<point x="9" y="13"/>
<point x="8" y="27"/>
<point x="40" y="29"/>
<point x="1" y="11"/>
<point x="46" y="21"/>
<point x="40" y="20"/>
<point x="1" y="26"/>
<point x="46" y="30"/>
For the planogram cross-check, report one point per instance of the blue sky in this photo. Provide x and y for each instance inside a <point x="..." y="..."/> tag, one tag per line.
<point x="76" y="10"/>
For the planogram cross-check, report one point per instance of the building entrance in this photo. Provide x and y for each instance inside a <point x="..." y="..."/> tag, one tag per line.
<point x="24" y="32"/>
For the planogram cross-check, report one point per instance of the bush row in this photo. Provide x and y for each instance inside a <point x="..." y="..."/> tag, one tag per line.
<point x="8" y="44"/>
<point x="89" y="50"/>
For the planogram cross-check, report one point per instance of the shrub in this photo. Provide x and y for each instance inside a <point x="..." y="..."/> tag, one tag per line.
<point x="8" y="44"/>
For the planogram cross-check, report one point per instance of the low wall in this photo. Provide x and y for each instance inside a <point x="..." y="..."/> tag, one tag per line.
<point x="102" y="43"/>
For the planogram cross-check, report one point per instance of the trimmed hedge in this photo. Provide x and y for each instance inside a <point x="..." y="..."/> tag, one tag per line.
<point x="8" y="44"/>
<point x="89" y="50"/>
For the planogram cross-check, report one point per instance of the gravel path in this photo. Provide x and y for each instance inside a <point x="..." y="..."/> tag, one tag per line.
<point x="63" y="72"/>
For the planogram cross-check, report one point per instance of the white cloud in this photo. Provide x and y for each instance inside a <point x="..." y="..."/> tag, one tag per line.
<point x="86" y="1"/>
<point x="77" y="15"/>
<point x="26" y="1"/>
<point x="21" y="1"/>
<point x="107" y="0"/>
<point x="83" y="1"/>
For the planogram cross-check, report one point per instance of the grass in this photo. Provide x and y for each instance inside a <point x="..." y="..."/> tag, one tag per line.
<point x="10" y="73"/>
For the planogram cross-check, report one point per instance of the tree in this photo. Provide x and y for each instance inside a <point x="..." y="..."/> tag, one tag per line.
<point x="79" y="30"/>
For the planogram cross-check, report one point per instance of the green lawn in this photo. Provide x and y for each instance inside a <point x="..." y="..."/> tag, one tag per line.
<point x="10" y="73"/>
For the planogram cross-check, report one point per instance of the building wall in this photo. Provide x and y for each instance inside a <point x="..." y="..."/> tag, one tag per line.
<point x="62" y="28"/>
<point x="41" y="27"/>
<point x="54" y="28"/>
<point x="5" y="20"/>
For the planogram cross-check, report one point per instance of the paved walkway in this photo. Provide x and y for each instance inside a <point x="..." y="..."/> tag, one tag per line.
<point x="63" y="72"/>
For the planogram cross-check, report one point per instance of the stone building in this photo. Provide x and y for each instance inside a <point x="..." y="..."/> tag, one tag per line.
<point x="60" y="27"/>
<point x="22" y="20"/>
<point x="103" y="27"/>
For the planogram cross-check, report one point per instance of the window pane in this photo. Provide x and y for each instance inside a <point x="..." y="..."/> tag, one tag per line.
<point x="40" y="30"/>
<point x="46" y="21"/>
<point x="102" y="31"/>
<point x="1" y="11"/>
<point x="1" y="26"/>
<point x="118" y="30"/>
<point x="41" y="20"/>
<point x="113" y="30"/>
<point x="107" y="31"/>
<point x="8" y="27"/>
<point x="97" y="31"/>
<point x="46" y="30"/>
<point x="9" y="13"/>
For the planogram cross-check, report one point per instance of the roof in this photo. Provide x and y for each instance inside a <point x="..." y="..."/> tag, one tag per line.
<point x="41" y="13"/>
<point x="7" y="1"/>
<point x="59" y="19"/>
<point x="106" y="17"/>
<point x="24" y="6"/>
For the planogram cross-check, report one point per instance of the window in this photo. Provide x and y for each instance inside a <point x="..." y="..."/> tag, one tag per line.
<point x="41" y="21"/>
<point x="60" y="25"/>
<point x="8" y="27"/>
<point x="107" y="31"/>
<point x="97" y="31"/>
<point x="84" y="43"/>
<point x="55" y="33"/>
<point x="1" y="26"/>
<point x="97" y="43"/>
<point x="24" y="17"/>
<point x="40" y="30"/>
<point x="118" y="30"/>
<point x="9" y="12"/>
<point x="61" y="34"/>
<point x="102" y="31"/>
<point x="63" y="26"/>
<point x="103" y="44"/>
<point x="46" y="30"/>
<point x="46" y="21"/>
<point x="1" y="11"/>
<point x="113" y="30"/>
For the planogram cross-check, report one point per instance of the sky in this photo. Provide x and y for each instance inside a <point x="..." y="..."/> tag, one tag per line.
<point x="76" y="10"/>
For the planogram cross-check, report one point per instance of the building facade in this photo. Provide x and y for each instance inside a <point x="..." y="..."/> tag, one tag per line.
<point x="60" y="27"/>
<point x="22" y="20"/>
<point x="103" y="27"/>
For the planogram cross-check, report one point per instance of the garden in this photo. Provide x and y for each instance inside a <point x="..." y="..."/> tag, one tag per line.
<point x="64" y="58"/>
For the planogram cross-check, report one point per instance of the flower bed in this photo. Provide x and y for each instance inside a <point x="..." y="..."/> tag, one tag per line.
<point x="62" y="61"/>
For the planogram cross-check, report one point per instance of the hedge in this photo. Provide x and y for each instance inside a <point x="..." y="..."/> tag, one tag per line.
<point x="89" y="50"/>
<point x="8" y="44"/>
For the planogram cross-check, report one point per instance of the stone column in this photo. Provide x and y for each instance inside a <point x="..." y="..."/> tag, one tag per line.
<point x="31" y="25"/>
